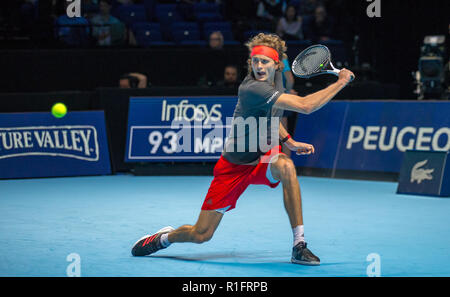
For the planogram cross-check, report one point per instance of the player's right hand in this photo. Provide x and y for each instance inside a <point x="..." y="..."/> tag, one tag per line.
<point x="346" y="76"/>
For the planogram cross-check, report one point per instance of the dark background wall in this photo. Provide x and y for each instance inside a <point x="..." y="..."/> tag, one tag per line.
<point x="45" y="70"/>
<point x="390" y="44"/>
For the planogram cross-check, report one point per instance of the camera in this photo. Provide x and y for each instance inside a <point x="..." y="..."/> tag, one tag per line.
<point x="430" y="76"/>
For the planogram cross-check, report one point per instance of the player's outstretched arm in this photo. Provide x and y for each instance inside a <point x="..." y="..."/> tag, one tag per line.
<point x="315" y="101"/>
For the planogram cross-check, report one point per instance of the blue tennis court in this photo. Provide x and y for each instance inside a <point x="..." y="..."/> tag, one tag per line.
<point x="43" y="221"/>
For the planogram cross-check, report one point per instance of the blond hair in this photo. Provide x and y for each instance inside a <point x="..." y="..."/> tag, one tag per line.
<point x="271" y="40"/>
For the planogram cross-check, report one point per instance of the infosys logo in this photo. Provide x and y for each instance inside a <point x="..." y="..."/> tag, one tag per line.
<point x="385" y="138"/>
<point x="78" y="142"/>
<point x="190" y="112"/>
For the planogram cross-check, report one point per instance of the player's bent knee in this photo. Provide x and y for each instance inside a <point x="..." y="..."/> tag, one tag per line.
<point x="201" y="237"/>
<point x="286" y="168"/>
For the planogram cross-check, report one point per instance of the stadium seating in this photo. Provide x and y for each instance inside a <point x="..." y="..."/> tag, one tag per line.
<point x="155" y="23"/>
<point x="130" y="14"/>
<point x="176" y="26"/>
<point x="167" y="13"/>
<point x="220" y="26"/>
<point x="188" y="37"/>
<point x="207" y="12"/>
<point x="72" y="31"/>
<point x="186" y="33"/>
<point x="203" y="7"/>
<point x="146" y="26"/>
<point x="149" y="34"/>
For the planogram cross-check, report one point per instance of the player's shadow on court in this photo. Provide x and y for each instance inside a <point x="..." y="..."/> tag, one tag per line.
<point x="249" y="258"/>
<point x="204" y="257"/>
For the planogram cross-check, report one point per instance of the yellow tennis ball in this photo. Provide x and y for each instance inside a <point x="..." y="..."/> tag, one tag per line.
<point x="59" y="110"/>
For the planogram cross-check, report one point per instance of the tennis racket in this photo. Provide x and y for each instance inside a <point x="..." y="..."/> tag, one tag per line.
<point x="313" y="61"/>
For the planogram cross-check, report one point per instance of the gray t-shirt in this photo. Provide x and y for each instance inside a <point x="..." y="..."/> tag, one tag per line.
<point x="251" y="134"/>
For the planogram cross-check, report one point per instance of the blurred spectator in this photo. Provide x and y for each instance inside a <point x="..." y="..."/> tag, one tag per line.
<point x="288" y="78"/>
<point x="215" y="60"/>
<point x="289" y="119"/>
<point x="216" y="40"/>
<point x="269" y="9"/>
<point x="230" y="77"/>
<point x="321" y="28"/>
<point x="107" y="30"/>
<point x="72" y="31"/>
<point x="133" y="80"/>
<point x="290" y="25"/>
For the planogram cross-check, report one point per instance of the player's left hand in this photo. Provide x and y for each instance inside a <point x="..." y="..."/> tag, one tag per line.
<point x="300" y="148"/>
<point x="346" y="76"/>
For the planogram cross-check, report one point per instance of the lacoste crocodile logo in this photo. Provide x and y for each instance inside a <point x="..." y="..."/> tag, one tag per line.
<point x="419" y="174"/>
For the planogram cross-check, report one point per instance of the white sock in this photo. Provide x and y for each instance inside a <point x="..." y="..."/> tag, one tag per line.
<point x="299" y="234"/>
<point x="165" y="240"/>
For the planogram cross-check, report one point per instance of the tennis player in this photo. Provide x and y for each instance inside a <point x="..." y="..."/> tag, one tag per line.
<point x="261" y="95"/>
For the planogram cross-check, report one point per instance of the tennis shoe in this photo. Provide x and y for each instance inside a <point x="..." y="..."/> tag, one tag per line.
<point x="150" y="244"/>
<point x="302" y="255"/>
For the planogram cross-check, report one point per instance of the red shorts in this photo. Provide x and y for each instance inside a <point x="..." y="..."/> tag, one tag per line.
<point x="231" y="180"/>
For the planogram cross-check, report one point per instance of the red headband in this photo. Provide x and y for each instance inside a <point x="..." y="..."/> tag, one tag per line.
<point x="266" y="51"/>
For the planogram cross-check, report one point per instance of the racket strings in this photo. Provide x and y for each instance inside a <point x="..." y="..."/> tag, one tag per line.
<point x="311" y="61"/>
